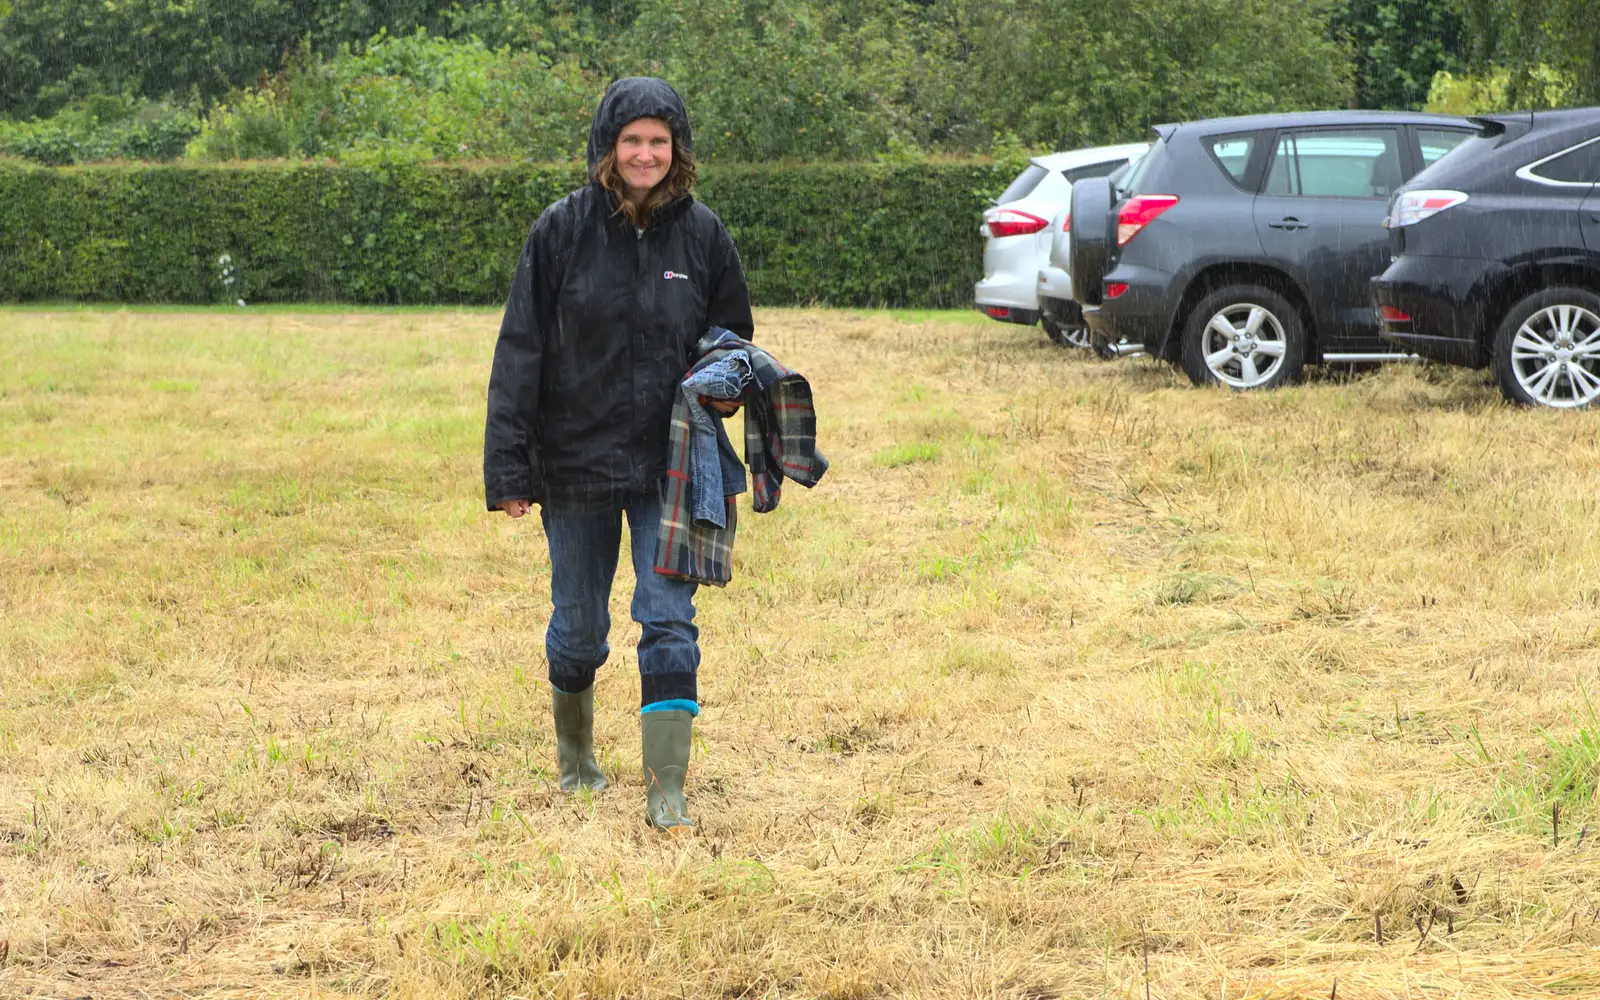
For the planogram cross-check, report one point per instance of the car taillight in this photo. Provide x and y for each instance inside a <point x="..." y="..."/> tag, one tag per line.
<point x="1066" y="223"/>
<point x="1010" y="222"/>
<point x="1414" y="206"/>
<point x="1394" y="314"/>
<point x="1116" y="289"/>
<point x="1138" y="212"/>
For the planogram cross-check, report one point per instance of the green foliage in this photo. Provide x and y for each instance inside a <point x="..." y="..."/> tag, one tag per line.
<point x="1072" y="72"/>
<point x="411" y="80"/>
<point x="1536" y="41"/>
<point x="1542" y="87"/>
<point x="584" y="31"/>
<point x="1533" y="794"/>
<point x="856" y="234"/>
<point x="765" y="79"/>
<point x="252" y="127"/>
<point x="1399" y="47"/>
<point x="413" y="99"/>
<point x="102" y="127"/>
<point x="1453" y="94"/>
<point x="52" y="51"/>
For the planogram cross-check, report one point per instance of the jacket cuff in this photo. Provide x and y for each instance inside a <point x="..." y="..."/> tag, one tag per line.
<point x="500" y="495"/>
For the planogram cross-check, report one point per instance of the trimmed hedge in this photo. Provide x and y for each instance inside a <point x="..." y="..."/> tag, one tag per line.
<point x="839" y="234"/>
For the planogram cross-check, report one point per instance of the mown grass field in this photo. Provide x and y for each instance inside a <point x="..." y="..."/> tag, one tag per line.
<point x="1069" y="681"/>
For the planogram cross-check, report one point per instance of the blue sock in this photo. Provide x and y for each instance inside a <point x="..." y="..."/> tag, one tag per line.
<point x="674" y="705"/>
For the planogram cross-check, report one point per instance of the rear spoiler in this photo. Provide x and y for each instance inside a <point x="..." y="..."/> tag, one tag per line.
<point x="1505" y="127"/>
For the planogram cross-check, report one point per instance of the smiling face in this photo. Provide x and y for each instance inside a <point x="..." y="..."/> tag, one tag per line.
<point x="644" y="154"/>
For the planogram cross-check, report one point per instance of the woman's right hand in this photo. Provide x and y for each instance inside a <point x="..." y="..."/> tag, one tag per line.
<point x="516" y="508"/>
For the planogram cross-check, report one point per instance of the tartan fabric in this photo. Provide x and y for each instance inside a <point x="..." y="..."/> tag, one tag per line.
<point x="686" y="549"/>
<point x="780" y="441"/>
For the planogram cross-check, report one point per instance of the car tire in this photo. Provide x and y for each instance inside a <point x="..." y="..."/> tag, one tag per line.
<point x="1546" y="351"/>
<point x="1264" y="346"/>
<point x="1065" y="334"/>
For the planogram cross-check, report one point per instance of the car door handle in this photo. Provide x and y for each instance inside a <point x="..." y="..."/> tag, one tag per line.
<point x="1291" y="224"/>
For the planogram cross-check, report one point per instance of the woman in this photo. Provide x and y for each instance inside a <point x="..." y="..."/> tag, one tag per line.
<point x="616" y="283"/>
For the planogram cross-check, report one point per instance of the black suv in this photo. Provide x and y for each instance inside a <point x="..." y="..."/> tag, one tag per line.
<point x="1497" y="257"/>
<point x="1243" y="248"/>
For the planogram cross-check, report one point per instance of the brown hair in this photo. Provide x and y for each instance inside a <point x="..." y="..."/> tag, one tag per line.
<point x="678" y="182"/>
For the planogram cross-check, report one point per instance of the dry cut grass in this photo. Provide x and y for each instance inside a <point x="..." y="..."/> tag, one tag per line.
<point x="1070" y="681"/>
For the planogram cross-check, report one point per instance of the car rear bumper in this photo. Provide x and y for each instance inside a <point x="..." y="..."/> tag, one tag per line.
<point x="1008" y="290"/>
<point x="1009" y="314"/>
<point x="1139" y="315"/>
<point x="1054" y="283"/>
<point x="1010" y="274"/>
<point x="1444" y="300"/>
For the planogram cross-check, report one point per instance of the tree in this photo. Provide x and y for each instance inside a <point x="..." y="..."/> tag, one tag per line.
<point x="1082" y="71"/>
<point x="1399" y="46"/>
<point x="413" y="98"/>
<point x="1536" y="40"/>
<point x="763" y="79"/>
<point x="53" y="51"/>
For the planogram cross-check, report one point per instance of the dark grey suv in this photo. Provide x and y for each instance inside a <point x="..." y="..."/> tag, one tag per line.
<point x="1496" y="256"/>
<point x="1242" y="248"/>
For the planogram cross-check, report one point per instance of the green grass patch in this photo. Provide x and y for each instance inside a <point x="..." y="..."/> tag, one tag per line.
<point x="909" y="453"/>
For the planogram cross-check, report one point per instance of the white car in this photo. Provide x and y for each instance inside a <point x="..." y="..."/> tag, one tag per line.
<point x="1057" y="308"/>
<point x="1016" y="255"/>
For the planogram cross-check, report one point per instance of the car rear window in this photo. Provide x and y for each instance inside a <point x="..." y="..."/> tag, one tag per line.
<point x="1232" y="153"/>
<point x="1105" y="169"/>
<point x="1023" y="185"/>
<point x="1580" y="165"/>
<point x="1135" y="176"/>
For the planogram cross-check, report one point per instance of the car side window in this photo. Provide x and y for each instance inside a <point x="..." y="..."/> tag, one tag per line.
<point x="1580" y="165"/>
<point x="1435" y="142"/>
<point x="1337" y="163"/>
<point x="1232" y="153"/>
<point x="1281" y="177"/>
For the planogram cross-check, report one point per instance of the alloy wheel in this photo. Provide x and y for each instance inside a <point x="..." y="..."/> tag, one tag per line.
<point x="1244" y="345"/>
<point x="1075" y="336"/>
<point x="1555" y="356"/>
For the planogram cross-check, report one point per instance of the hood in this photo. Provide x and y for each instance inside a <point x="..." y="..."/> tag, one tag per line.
<point x="630" y="99"/>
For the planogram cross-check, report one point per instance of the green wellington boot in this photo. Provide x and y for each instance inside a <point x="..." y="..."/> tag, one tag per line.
<point x="574" y="718"/>
<point x="666" y="736"/>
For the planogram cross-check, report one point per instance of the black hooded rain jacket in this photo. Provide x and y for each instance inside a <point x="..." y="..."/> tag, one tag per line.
<point x="600" y="326"/>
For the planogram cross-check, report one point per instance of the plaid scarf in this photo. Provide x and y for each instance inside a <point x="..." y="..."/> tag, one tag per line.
<point x="780" y="440"/>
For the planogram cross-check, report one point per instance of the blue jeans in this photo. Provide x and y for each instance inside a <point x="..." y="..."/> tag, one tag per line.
<point x="585" y="541"/>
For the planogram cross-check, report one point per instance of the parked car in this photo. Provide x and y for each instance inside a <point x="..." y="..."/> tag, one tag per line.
<point x="1016" y="228"/>
<point x="1057" y="307"/>
<point x="1241" y="248"/>
<point x="1497" y="257"/>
